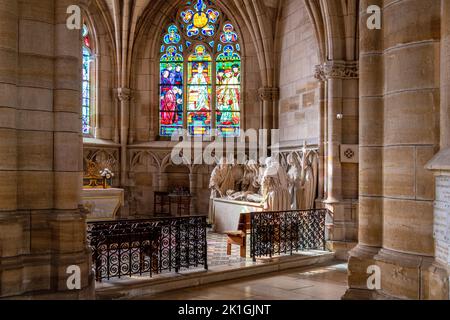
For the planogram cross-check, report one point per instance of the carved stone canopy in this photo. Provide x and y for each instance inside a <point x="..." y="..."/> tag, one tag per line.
<point x="337" y="70"/>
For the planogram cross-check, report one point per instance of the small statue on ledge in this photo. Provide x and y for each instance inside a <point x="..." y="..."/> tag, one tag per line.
<point x="92" y="175"/>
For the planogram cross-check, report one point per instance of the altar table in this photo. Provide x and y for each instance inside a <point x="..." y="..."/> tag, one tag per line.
<point x="103" y="204"/>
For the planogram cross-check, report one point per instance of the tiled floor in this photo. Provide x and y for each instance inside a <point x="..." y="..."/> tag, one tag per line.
<point x="327" y="282"/>
<point x="217" y="251"/>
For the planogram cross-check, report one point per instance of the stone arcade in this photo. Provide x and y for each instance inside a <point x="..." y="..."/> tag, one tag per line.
<point x="363" y="118"/>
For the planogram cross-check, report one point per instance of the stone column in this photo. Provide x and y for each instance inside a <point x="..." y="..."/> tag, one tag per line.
<point x="370" y="151"/>
<point x="124" y="96"/>
<point x="334" y="76"/>
<point x="67" y="223"/>
<point x="12" y="223"/>
<point x="268" y="97"/>
<point x="410" y="139"/>
<point x="116" y="113"/>
<point x="322" y="141"/>
<point x="45" y="229"/>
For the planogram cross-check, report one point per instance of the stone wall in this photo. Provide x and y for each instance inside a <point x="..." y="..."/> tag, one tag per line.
<point x="298" y="54"/>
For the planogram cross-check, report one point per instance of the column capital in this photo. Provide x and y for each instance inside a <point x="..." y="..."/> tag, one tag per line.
<point x="337" y="70"/>
<point x="124" y="94"/>
<point x="269" y="93"/>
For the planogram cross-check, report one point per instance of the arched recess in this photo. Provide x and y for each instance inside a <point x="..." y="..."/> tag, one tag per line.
<point x="103" y="70"/>
<point x="144" y="75"/>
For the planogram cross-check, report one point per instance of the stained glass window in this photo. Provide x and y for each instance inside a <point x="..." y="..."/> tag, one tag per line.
<point x="86" y="82"/>
<point x="228" y="89"/>
<point x="202" y="47"/>
<point x="199" y="91"/>
<point x="171" y="84"/>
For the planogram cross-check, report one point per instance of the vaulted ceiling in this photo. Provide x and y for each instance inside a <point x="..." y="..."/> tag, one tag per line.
<point x="335" y="23"/>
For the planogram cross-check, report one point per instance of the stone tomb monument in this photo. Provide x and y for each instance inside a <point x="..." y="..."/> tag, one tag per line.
<point x="284" y="182"/>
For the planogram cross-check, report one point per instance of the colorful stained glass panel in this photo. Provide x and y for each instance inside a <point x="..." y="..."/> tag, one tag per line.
<point x="199" y="98"/>
<point x="199" y="123"/>
<point x="228" y="35"/>
<point x="228" y="123"/>
<point x="86" y="83"/>
<point x="171" y="73"/>
<point x="228" y="73"/>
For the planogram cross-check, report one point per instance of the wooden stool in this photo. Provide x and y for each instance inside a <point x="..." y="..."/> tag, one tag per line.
<point x="238" y="238"/>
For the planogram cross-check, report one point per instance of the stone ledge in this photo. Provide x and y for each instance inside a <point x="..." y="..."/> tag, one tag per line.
<point x="440" y="162"/>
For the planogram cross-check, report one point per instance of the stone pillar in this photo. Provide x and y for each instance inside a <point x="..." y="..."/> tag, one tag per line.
<point x="124" y="96"/>
<point x="116" y="114"/>
<point x="370" y="152"/>
<point x="334" y="76"/>
<point x="322" y="141"/>
<point x="269" y="96"/>
<point x="67" y="223"/>
<point x="12" y="223"/>
<point x="42" y="229"/>
<point x="411" y="138"/>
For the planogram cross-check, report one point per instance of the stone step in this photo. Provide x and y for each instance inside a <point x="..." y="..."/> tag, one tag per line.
<point x="136" y="287"/>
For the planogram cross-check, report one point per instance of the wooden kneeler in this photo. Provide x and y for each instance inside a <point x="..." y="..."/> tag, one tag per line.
<point x="238" y="238"/>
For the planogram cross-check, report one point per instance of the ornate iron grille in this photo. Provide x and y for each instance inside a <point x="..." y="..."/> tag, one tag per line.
<point x="147" y="247"/>
<point x="277" y="233"/>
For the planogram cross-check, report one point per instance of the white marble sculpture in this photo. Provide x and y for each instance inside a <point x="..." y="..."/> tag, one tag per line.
<point x="250" y="185"/>
<point x="275" y="188"/>
<point x="310" y="167"/>
<point x="295" y="181"/>
<point x="221" y="183"/>
<point x="303" y="175"/>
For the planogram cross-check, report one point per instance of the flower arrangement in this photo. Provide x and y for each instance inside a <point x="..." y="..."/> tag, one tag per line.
<point x="106" y="174"/>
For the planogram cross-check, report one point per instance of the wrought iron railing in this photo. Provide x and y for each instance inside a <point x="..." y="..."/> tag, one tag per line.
<point x="147" y="247"/>
<point x="277" y="233"/>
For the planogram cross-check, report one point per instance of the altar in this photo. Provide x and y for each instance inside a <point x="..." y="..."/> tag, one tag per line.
<point x="228" y="212"/>
<point x="103" y="204"/>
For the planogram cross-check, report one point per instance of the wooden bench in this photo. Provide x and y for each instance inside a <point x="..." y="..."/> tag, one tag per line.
<point x="239" y="237"/>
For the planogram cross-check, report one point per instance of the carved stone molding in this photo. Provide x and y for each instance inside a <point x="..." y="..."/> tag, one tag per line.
<point x="337" y="70"/>
<point x="349" y="153"/>
<point x="269" y="94"/>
